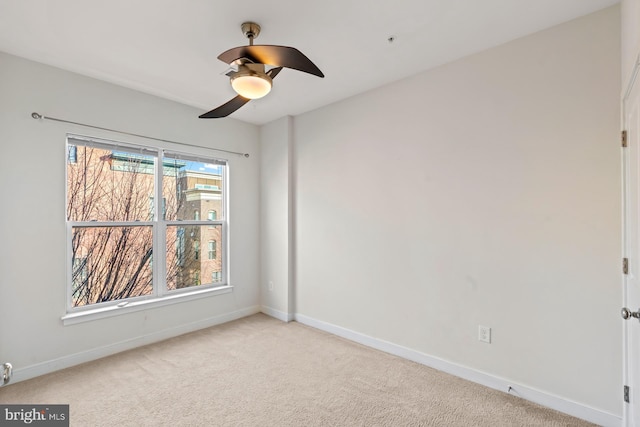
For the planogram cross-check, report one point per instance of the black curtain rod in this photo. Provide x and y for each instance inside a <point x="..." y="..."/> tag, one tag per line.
<point x="38" y="116"/>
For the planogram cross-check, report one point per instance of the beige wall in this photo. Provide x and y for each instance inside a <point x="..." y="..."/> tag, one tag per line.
<point x="630" y="25"/>
<point x="484" y="192"/>
<point x="275" y="222"/>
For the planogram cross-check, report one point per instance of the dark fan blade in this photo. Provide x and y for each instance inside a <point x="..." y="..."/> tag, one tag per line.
<point x="274" y="72"/>
<point x="280" y="56"/>
<point x="225" y="109"/>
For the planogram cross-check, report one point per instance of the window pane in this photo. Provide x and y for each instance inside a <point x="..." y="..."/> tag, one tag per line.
<point x="192" y="187"/>
<point x="108" y="185"/>
<point x="72" y="154"/>
<point x="185" y="265"/>
<point x="110" y="263"/>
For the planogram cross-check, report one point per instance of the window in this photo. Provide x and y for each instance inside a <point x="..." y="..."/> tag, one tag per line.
<point x="152" y="207"/>
<point x="80" y="270"/>
<point x="72" y="153"/>
<point x="180" y="246"/>
<point x="120" y="246"/>
<point x="216" y="276"/>
<point x="212" y="249"/>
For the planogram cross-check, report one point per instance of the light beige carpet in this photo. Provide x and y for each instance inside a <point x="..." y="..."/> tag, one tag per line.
<point x="259" y="371"/>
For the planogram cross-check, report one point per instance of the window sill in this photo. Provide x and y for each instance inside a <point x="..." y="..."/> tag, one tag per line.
<point x="133" y="306"/>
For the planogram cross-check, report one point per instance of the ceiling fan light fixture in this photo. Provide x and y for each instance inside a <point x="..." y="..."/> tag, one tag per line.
<point x="251" y="84"/>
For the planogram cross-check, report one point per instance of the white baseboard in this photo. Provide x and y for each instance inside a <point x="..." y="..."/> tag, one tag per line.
<point x="548" y="400"/>
<point x="280" y="315"/>
<point x="28" y="372"/>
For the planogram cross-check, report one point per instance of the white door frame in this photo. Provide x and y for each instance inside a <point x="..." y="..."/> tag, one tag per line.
<point x="631" y="364"/>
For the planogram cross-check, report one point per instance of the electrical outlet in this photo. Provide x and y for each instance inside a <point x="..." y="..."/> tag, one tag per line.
<point x="484" y="334"/>
<point x="270" y="285"/>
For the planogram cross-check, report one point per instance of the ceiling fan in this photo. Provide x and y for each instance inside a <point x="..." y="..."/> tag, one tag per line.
<point x="249" y="78"/>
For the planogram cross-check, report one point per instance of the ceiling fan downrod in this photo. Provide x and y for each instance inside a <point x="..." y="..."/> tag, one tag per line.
<point x="251" y="30"/>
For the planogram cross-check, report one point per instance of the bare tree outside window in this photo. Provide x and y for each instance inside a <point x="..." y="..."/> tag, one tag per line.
<point x="201" y="191"/>
<point x="110" y="205"/>
<point x="109" y="262"/>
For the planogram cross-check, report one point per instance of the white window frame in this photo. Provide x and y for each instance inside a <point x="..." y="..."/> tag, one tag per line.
<point x="160" y="295"/>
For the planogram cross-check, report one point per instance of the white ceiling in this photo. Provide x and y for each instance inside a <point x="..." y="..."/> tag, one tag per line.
<point x="169" y="48"/>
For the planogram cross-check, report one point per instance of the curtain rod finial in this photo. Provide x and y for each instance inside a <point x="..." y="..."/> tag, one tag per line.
<point x="246" y="154"/>
<point x="36" y="115"/>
